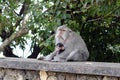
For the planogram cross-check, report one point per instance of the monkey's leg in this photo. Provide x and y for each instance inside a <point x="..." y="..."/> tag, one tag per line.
<point x="77" y="55"/>
<point x="50" y="56"/>
<point x="58" y="59"/>
<point x="72" y="56"/>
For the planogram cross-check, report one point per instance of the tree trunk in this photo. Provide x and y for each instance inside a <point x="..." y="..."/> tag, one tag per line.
<point x="36" y="50"/>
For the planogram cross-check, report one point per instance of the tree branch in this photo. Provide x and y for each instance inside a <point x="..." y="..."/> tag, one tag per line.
<point x="36" y="50"/>
<point x="23" y="30"/>
<point x="92" y="20"/>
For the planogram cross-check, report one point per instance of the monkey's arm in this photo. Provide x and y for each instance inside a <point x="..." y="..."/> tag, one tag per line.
<point x="77" y="55"/>
<point x="50" y="56"/>
<point x="72" y="55"/>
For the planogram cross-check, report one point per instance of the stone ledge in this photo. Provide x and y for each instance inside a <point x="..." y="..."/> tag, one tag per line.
<point x="90" y="68"/>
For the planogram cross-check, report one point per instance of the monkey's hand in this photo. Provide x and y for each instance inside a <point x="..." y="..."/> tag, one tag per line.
<point x="50" y="56"/>
<point x="57" y="49"/>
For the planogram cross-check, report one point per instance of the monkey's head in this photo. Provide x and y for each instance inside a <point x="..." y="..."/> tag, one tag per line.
<point x="61" y="47"/>
<point x="62" y="33"/>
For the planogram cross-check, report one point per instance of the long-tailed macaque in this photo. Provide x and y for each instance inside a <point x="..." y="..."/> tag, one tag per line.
<point x="59" y="48"/>
<point x="75" y="47"/>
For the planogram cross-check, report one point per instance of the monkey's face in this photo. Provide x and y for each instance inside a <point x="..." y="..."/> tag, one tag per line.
<point x="60" y="49"/>
<point x="62" y="33"/>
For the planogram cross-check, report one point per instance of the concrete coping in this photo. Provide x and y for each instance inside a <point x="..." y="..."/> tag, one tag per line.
<point x="89" y="68"/>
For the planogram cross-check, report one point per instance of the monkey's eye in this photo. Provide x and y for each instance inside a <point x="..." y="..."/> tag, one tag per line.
<point x="63" y="30"/>
<point x="60" y="29"/>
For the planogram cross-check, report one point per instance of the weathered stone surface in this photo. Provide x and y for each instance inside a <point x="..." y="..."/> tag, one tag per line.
<point x="11" y="74"/>
<point x="32" y="75"/>
<point x="1" y="79"/>
<point x="90" y="68"/>
<point x="61" y="76"/>
<point x="2" y="72"/>
<point x="10" y="77"/>
<point x="15" y="74"/>
<point x="52" y="78"/>
<point x="110" y="78"/>
<point x="70" y="77"/>
<point x="31" y="69"/>
<point x="51" y="73"/>
<point x="87" y="77"/>
<point x="43" y="75"/>
<point x="93" y="78"/>
<point x="79" y="77"/>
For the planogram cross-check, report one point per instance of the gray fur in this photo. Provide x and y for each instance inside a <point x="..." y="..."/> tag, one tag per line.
<point x="75" y="47"/>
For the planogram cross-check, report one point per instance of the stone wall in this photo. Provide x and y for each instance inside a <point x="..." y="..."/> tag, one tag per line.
<point x="31" y="69"/>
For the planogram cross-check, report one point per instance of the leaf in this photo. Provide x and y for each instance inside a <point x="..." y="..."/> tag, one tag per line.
<point x="57" y="2"/>
<point x="68" y="1"/>
<point x="64" y="4"/>
<point x="58" y="13"/>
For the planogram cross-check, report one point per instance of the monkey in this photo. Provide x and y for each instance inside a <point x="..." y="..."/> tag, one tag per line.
<point x="59" y="48"/>
<point x="75" y="47"/>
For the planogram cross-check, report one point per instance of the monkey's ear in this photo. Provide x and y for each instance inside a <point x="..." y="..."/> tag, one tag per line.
<point x="70" y="30"/>
<point x="65" y="25"/>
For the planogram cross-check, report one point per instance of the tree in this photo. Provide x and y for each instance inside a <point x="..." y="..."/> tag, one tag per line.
<point x="8" y="32"/>
<point x="97" y="21"/>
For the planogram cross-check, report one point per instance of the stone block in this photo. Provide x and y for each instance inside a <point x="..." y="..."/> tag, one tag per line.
<point x="70" y="77"/>
<point x="110" y="78"/>
<point x="43" y="75"/>
<point x="2" y="72"/>
<point x="52" y="78"/>
<point x="61" y="76"/>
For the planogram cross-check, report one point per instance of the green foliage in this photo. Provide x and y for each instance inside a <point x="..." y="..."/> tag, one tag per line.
<point x="97" y="21"/>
